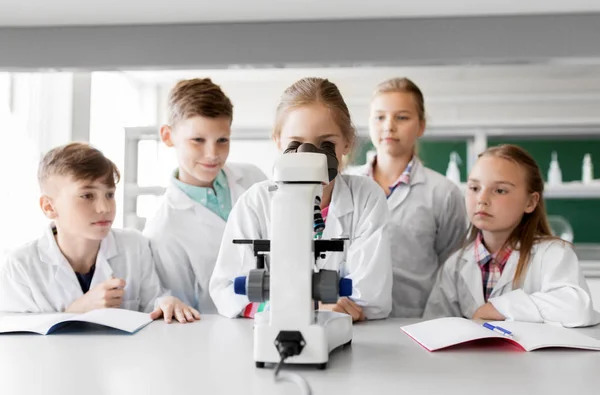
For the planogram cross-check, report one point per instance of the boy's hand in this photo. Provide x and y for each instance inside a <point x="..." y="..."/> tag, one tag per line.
<point x="170" y="307"/>
<point x="107" y="294"/>
<point x="488" y="312"/>
<point x="345" y="305"/>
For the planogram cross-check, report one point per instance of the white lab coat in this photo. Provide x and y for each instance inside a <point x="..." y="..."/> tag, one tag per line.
<point x="37" y="278"/>
<point x="186" y="237"/>
<point x="553" y="289"/>
<point x="428" y="221"/>
<point x="357" y="211"/>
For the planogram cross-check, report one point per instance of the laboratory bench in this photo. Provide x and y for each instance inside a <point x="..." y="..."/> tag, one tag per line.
<point x="214" y="356"/>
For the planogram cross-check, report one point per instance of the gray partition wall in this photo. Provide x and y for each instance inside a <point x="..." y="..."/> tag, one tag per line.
<point x="459" y="40"/>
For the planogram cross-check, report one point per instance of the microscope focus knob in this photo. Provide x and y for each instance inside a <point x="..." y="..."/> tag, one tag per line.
<point x="239" y="285"/>
<point x="327" y="286"/>
<point x="345" y="287"/>
<point x="256" y="285"/>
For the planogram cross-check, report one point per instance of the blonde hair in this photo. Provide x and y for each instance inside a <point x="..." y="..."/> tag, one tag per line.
<point x="198" y="97"/>
<point x="403" y="85"/>
<point x="309" y="91"/>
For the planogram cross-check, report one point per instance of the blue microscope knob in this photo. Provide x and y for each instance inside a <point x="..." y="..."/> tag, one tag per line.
<point x="239" y="285"/>
<point x="345" y="287"/>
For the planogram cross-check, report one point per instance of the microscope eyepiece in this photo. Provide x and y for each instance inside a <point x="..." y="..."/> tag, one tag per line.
<point x="292" y="147"/>
<point x="327" y="148"/>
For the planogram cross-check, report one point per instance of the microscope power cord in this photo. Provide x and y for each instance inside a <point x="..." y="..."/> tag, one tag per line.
<point x="291" y="377"/>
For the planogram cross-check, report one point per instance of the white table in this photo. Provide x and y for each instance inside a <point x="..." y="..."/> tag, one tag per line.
<point x="214" y="356"/>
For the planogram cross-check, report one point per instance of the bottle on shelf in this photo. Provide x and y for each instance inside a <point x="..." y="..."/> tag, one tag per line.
<point x="554" y="173"/>
<point x="453" y="172"/>
<point x="587" y="171"/>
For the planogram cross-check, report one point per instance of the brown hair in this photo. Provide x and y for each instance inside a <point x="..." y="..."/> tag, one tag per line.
<point x="403" y="85"/>
<point x="80" y="161"/>
<point x="534" y="226"/>
<point x="197" y="97"/>
<point x="308" y="91"/>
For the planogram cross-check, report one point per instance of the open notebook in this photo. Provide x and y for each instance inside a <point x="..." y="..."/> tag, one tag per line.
<point x="446" y="332"/>
<point x="44" y="324"/>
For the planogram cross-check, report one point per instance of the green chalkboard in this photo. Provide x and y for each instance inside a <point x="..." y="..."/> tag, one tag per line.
<point x="434" y="154"/>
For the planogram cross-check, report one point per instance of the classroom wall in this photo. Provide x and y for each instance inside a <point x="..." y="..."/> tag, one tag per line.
<point x="455" y="96"/>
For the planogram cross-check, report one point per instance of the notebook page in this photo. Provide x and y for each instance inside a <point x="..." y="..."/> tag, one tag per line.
<point x="445" y="332"/>
<point x="37" y="323"/>
<point x="125" y="320"/>
<point x="533" y="336"/>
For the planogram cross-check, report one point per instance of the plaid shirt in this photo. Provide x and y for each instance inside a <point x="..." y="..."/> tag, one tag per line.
<point x="491" y="265"/>
<point x="403" y="179"/>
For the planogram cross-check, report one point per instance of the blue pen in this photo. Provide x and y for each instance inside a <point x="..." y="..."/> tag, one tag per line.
<point x="498" y="329"/>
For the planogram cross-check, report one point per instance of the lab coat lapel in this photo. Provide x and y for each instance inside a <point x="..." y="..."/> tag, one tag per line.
<point x="180" y="201"/>
<point x="64" y="276"/>
<point x="208" y="216"/>
<point x="471" y="276"/>
<point x="417" y="176"/>
<point x="234" y="179"/>
<point x="108" y="250"/>
<point x="507" y="274"/>
<point x="398" y="196"/>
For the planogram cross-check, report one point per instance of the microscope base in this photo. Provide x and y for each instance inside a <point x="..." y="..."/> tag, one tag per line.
<point x="330" y="331"/>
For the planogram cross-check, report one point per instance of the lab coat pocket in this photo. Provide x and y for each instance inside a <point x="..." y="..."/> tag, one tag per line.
<point x="420" y="224"/>
<point x="413" y="234"/>
<point x="131" y="304"/>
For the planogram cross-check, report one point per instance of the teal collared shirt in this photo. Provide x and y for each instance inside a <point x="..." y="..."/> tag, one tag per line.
<point x="217" y="199"/>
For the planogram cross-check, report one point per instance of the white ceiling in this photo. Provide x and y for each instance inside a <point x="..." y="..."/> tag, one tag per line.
<point x="114" y="12"/>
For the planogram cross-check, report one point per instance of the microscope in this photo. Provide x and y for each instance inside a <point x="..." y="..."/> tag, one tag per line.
<point x="293" y="329"/>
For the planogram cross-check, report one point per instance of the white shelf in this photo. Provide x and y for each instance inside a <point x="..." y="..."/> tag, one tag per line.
<point x="570" y="190"/>
<point x="135" y="190"/>
<point x="573" y="190"/>
<point x="143" y="133"/>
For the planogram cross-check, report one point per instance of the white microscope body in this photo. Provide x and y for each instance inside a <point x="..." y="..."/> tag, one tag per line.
<point x="292" y="284"/>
